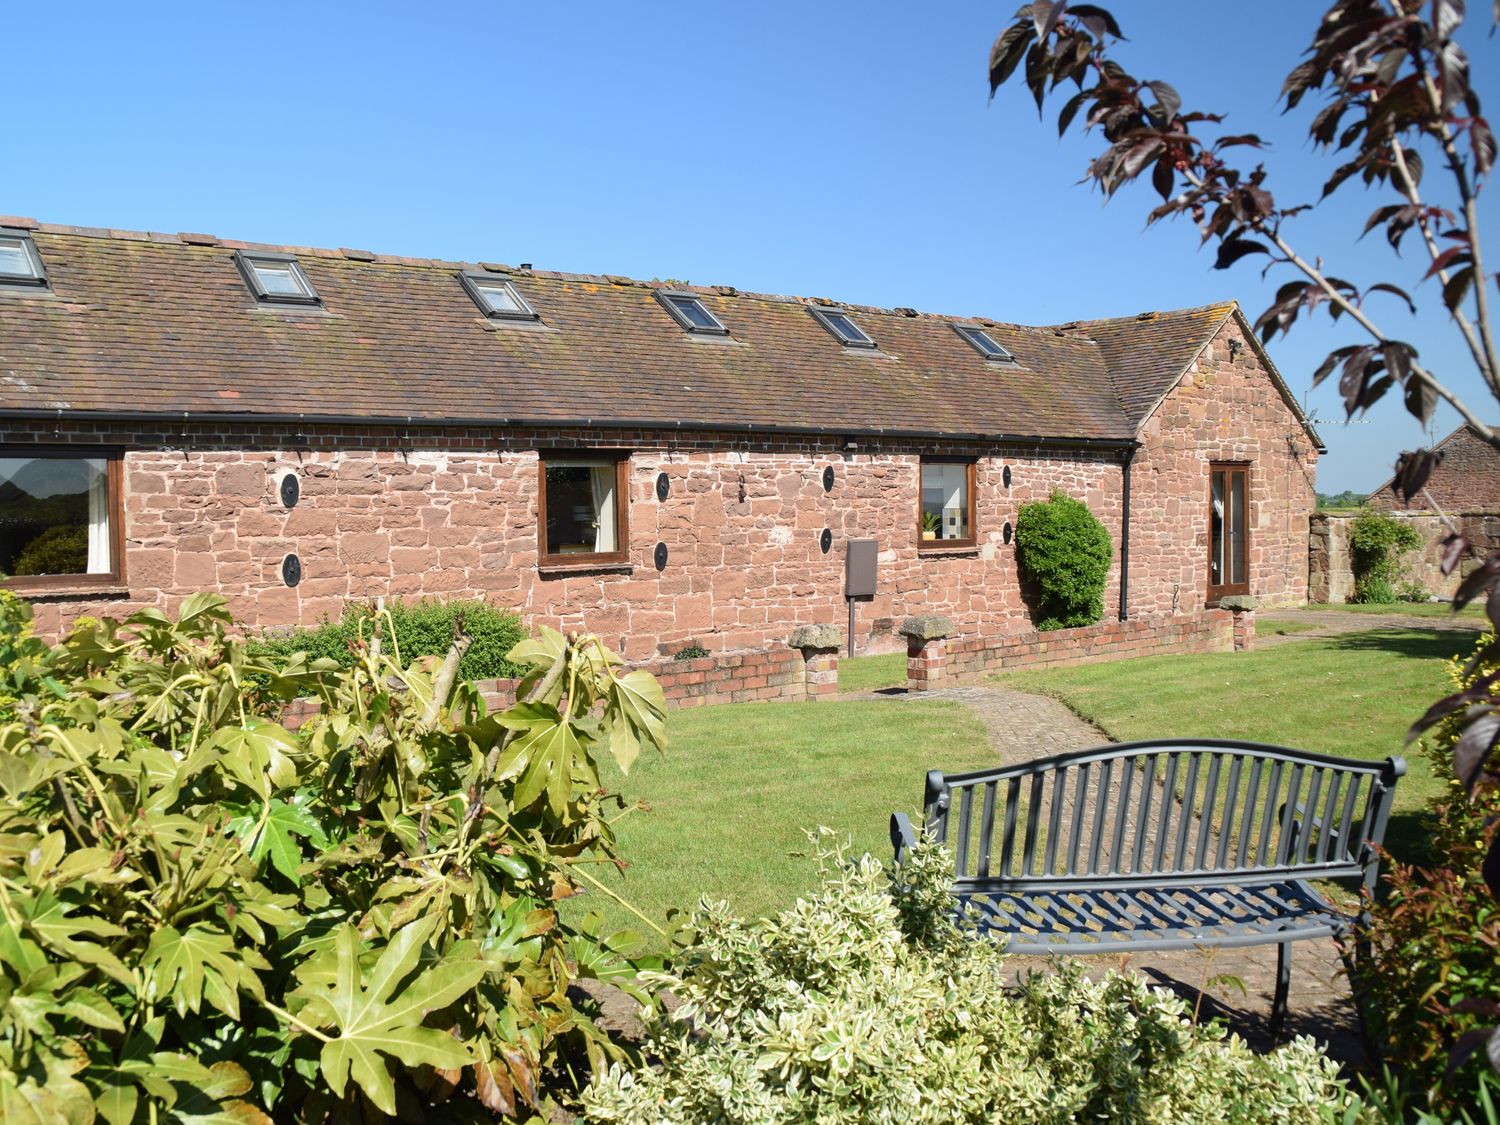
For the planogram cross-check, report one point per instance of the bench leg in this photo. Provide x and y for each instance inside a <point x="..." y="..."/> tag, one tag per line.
<point x="1283" y="985"/>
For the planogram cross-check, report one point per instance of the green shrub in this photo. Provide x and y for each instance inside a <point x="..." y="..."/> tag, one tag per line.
<point x="422" y="628"/>
<point x="865" y="1003"/>
<point x="208" y="918"/>
<point x="1376" y="543"/>
<point x="1066" y="551"/>
<point x="1435" y="937"/>
<point x="1375" y="591"/>
<point x="694" y="651"/>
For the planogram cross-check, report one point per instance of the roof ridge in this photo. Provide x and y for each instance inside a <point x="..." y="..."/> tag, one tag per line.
<point x="189" y="238"/>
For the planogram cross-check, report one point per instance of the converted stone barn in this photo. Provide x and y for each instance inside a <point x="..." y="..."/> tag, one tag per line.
<point x="658" y="463"/>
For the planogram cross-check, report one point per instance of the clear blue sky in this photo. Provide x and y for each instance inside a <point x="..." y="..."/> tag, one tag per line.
<point x="838" y="149"/>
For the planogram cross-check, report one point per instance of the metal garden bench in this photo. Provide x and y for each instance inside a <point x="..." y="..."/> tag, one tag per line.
<point x="1177" y="844"/>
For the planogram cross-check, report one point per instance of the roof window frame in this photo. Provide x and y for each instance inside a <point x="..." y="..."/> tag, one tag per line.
<point x="1002" y="355"/>
<point x="473" y="282"/>
<point x="37" y="279"/>
<point x="244" y="259"/>
<point x="824" y="317"/>
<point x="667" y="298"/>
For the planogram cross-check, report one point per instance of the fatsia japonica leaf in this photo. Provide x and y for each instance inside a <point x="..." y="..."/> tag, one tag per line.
<point x="259" y="753"/>
<point x="379" y="1014"/>
<point x="272" y="830"/>
<point x="638" y="714"/>
<point x="186" y="967"/>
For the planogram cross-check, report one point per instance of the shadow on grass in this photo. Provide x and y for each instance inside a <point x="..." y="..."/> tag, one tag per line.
<point x="1408" y="837"/>
<point x="1413" y="643"/>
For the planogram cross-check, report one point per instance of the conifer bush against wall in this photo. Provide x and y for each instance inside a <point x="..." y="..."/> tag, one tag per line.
<point x="1066" y="551"/>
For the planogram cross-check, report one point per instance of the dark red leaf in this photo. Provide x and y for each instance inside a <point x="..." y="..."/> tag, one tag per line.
<point x="1492" y="610"/>
<point x="1420" y="399"/>
<point x="1457" y="287"/>
<point x="1164" y="177"/>
<point x="1474" y="745"/>
<point x="1491" y="873"/>
<point x="1044" y="15"/>
<point x="1483" y="141"/>
<point x="1454" y="547"/>
<point x="1484" y="576"/>
<point x="1091" y="13"/>
<point x="1070" y="110"/>
<point x="1333" y="359"/>
<point x="1413" y="469"/>
<point x="1168" y="99"/>
<point x="1232" y="250"/>
<point x="1448" y="705"/>
<point x="1239" y="139"/>
<point x="1470" y="1041"/>
<point x="1007" y="53"/>
<point x="1387" y="287"/>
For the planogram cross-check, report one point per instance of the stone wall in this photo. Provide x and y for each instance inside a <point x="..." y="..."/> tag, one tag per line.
<point x="1331" y="575"/>
<point x="1224" y="408"/>
<point x="452" y="512"/>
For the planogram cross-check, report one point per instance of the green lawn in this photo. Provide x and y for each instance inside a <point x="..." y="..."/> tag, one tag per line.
<point x="870" y="673"/>
<point x="1283" y="626"/>
<point x="1354" y="695"/>
<point x="1405" y="609"/>
<point x="739" y="784"/>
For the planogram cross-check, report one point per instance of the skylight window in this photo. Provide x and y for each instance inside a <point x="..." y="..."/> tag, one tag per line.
<point x="984" y="343"/>
<point x="843" y="328"/>
<point x="497" y="297"/>
<point x="690" y="312"/>
<point x="20" y="264"/>
<point x="276" y="278"/>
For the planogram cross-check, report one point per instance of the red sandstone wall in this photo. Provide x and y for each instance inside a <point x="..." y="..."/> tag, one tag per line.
<point x="453" y="513"/>
<point x="1224" y="409"/>
<point x="448" y="514"/>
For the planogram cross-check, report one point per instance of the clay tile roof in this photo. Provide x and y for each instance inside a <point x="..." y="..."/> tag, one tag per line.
<point x="164" y="325"/>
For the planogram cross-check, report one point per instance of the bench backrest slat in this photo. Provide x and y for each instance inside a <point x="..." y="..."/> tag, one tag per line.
<point x="1205" y="823"/>
<point x="1054" y="821"/>
<point x="1164" y="811"/>
<point x="1101" y="806"/>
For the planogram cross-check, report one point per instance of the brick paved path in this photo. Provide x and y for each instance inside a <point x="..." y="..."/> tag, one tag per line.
<point x="1023" y="726"/>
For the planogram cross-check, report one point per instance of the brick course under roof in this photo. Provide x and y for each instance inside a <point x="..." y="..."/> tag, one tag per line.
<point x="163" y="325"/>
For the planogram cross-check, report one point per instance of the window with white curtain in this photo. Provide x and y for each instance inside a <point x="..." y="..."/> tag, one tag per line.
<point x="582" y="510"/>
<point x="946" y="515"/>
<point x="58" y="518"/>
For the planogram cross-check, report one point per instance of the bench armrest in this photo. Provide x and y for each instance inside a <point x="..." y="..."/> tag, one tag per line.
<point x="902" y="835"/>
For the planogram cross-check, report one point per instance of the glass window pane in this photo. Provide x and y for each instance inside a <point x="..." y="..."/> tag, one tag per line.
<point x="945" y="502"/>
<point x="499" y="298"/>
<point x="581" y="518"/>
<point x="54" y="516"/>
<point x="1238" y="562"/>
<point x="14" y="258"/>
<point x="279" y="279"/>
<point x="1216" y="529"/>
<point x="694" y="311"/>
<point x="846" y="327"/>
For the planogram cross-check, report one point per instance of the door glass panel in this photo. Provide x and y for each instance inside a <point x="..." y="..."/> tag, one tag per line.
<point x="1216" y="529"/>
<point x="1238" y="563"/>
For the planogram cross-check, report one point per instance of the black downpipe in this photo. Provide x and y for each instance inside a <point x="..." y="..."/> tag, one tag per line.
<point x="1125" y="536"/>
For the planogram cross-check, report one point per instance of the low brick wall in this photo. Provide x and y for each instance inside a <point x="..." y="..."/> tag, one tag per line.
<point x="743" y="677"/>
<point x="961" y="658"/>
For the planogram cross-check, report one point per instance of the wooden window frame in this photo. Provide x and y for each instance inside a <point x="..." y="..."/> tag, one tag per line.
<point x="1228" y="589"/>
<point x="939" y="546"/>
<point x="114" y="466"/>
<point x="592" y="560"/>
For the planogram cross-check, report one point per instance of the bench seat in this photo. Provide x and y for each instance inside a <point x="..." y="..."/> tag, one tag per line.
<point x="1150" y="918"/>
